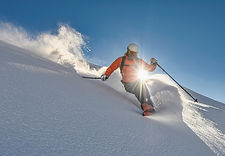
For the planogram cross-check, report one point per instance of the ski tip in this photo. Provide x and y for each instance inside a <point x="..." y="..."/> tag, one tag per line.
<point x="196" y="100"/>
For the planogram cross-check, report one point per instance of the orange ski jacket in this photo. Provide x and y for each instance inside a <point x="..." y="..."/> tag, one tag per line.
<point x="130" y="69"/>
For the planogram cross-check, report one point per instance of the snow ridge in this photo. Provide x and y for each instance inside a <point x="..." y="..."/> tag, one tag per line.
<point x="204" y="128"/>
<point x="192" y="115"/>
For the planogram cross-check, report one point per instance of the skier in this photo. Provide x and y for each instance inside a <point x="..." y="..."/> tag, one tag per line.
<point x="129" y="65"/>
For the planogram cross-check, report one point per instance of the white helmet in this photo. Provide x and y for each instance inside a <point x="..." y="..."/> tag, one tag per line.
<point x="133" y="47"/>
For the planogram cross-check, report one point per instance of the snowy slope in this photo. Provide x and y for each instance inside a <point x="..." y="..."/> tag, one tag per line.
<point x="47" y="109"/>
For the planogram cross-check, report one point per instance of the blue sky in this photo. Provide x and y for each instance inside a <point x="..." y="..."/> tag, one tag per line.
<point x="187" y="37"/>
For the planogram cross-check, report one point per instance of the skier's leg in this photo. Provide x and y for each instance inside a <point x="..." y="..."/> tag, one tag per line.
<point x="130" y="87"/>
<point x="140" y="90"/>
<point x="143" y="96"/>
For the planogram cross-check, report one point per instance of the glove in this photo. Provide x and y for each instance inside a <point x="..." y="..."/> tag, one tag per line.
<point x="153" y="61"/>
<point x="104" y="77"/>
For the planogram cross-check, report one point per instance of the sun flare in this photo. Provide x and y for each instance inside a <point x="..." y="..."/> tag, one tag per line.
<point x="142" y="74"/>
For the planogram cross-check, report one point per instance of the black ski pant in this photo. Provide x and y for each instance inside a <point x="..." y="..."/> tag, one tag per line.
<point x="140" y="90"/>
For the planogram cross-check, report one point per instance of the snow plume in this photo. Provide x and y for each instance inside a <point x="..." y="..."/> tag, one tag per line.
<point x="64" y="47"/>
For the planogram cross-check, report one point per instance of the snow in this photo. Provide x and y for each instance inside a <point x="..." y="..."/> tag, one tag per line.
<point x="46" y="108"/>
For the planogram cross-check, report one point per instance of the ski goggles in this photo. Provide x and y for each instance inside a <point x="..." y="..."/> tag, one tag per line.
<point x="132" y="53"/>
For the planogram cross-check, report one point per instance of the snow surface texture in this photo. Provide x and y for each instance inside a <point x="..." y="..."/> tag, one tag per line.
<point x="48" y="109"/>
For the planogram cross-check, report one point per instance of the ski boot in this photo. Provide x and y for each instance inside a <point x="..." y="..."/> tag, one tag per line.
<point x="148" y="109"/>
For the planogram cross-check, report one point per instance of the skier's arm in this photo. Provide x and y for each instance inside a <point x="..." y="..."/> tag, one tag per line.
<point x="146" y="66"/>
<point x="113" y="66"/>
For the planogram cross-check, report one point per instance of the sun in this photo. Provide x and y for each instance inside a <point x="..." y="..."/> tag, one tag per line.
<point x="142" y="74"/>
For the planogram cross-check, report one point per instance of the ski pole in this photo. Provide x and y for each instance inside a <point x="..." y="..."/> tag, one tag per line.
<point x="87" y="77"/>
<point x="195" y="100"/>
